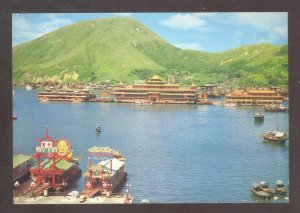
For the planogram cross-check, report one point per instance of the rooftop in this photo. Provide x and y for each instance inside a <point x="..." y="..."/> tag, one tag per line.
<point x="18" y="159"/>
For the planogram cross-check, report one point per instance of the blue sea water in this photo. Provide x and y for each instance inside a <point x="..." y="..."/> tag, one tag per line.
<point x="174" y="153"/>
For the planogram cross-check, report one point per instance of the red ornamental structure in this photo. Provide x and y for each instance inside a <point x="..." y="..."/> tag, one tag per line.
<point x="52" y="152"/>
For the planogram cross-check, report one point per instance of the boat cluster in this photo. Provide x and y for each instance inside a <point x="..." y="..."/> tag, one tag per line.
<point x="264" y="191"/>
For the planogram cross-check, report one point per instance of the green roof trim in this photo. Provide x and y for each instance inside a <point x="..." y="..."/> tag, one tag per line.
<point x="61" y="165"/>
<point x="19" y="159"/>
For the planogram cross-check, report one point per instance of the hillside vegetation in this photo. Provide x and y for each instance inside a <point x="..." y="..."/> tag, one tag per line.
<point x="122" y="49"/>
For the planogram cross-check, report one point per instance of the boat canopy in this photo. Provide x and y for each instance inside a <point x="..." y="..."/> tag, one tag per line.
<point x="263" y="183"/>
<point x="279" y="182"/>
<point x="116" y="164"/>
<point x="279" y="134"/>
<point x="255" y="185"/>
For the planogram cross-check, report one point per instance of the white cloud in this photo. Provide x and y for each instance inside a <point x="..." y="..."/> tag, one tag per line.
<point x="184" y="21"/>
<point x="25" y="30"/>
<point x="274" y="23"/>
<point x="189" y="46"/>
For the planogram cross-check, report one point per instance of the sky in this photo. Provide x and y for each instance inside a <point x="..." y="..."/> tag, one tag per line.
<point x="209" y="32"/>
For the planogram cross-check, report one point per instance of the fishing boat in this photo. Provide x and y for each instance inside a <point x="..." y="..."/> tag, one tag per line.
<point x="258" y="191"/>
<point x="14" y="117"/>
<point x="280" y="187"/>
<point x="259" y="117"/>
<point x="275" y="136"/>
<point x="98" y="129"/>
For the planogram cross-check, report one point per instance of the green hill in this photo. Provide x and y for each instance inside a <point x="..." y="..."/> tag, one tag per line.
<point x="122" y="49"/>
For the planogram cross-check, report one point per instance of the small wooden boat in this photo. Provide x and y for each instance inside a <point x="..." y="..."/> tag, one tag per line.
<point x="258" y="191"/>
<point x="280" y="188"/>
<point x="259" y="117"/>
<point x="15" y="117"/>
<point x="98" y="129"/>
<point x="275" y="136"/>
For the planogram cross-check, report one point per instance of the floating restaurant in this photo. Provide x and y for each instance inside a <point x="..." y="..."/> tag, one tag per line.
<point x="65" y="95"/>
<point x="105" y="173"/>
<point x="54" y="167"/>
<point x="254" y="97"/>
<point x="156" y="91"/>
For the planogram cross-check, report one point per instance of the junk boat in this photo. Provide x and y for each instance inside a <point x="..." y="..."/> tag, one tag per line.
<point x="105" y="172"/>
<point x="259" y="117"/>
<point x="258" y="191"/>
<point x="55" y="167"/>
<point x="275" y="136"/>
<point x="280" y="188"/>
<point x="275" y="108"/>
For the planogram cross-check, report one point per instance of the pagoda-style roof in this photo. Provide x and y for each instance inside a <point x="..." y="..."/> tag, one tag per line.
<point x="19" y="159"/>
<point x="157" y="89"/>
<point x="61" y="164"/>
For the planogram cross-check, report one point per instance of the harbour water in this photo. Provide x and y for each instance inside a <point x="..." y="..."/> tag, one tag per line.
<point x="174" y="153"/>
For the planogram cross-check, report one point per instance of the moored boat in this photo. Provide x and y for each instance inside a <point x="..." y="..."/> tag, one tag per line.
<point x="275" y="108"/>
<point x="275" y="136"/>
<point x="257" y="190"/>
<point x="280" y="187"/>
<point x="105" y="172"/>
<point x="259" y="117"/>
<point x="98" y="129"/>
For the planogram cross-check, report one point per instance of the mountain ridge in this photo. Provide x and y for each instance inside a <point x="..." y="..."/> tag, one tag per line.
<point x="123" y="49"/>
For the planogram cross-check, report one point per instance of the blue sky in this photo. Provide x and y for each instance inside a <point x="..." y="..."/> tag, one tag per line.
<point x="210" y="32"/>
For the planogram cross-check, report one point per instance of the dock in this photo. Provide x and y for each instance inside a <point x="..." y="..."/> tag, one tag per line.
<point x="69" y="200"/>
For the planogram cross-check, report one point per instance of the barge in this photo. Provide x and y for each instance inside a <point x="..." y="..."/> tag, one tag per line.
<point x="105" y="172"/>
<point x="65" y="95"/>
<point x="254" y="98"/>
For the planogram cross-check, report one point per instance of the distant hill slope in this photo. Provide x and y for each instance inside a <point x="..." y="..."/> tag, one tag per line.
<point x="122" y="49"/>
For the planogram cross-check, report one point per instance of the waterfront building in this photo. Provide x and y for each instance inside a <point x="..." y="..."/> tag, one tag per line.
<point x="156" y="91"/>
<point x="65" y="95"/>
<point x="254" y="97"/>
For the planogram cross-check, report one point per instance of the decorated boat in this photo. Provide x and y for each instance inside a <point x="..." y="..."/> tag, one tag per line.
<point x="105" y="172"/>
<point x="54" y="167"/>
